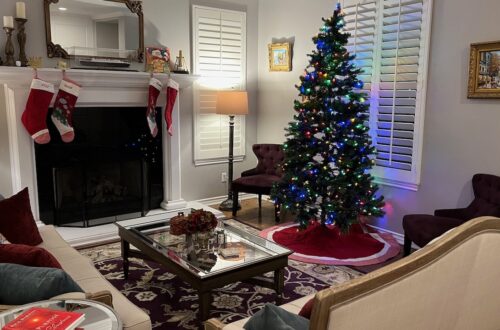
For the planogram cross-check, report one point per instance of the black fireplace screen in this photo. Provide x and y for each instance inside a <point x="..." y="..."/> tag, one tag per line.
<point x="112" y="168"/>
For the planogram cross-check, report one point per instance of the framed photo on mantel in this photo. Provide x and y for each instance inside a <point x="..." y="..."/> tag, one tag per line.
<point x="484" y="70"/>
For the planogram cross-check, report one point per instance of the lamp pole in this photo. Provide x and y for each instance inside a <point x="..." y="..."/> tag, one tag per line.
<point x="227" y="205"/>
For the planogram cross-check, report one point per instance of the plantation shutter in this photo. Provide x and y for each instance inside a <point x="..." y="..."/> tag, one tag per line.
<point x="397" y="32"/>
<point x="219" y="48"/>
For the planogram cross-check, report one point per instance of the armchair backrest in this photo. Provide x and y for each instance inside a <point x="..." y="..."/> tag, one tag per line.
<point x="448" y="284"/>
<point x="269" y="156"/>
<point x="487" y="196"/>
<point x="487" y="187"/>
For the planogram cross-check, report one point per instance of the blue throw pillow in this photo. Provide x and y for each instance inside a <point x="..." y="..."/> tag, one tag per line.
<point x="276" y="318"/>
<point x="23" y="284"/>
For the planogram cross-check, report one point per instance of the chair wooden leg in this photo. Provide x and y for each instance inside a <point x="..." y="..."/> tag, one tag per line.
<point x="260" y="201"/>
<point x="277" y="212"/>
<point x="235" y="203"/>
<point x="407" y="246"/>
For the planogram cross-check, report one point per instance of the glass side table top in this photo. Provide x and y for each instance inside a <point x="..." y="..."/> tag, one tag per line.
<point x="97" y="316"/>
<point x="211" y="254"/>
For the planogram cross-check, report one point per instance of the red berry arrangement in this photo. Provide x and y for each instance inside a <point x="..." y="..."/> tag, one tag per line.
<point x="196" y="222"/>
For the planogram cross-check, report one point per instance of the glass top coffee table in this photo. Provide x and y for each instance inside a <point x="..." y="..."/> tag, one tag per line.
<point x="213" y="263"/>
<point x="97" y="316"/>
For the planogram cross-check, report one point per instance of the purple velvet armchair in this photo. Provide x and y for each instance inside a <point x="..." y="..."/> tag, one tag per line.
<point x="260" y="179"/>
<point x="423" y="228"/>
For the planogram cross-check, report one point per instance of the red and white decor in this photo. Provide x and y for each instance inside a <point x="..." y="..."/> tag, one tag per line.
<point x="98" y="89"/>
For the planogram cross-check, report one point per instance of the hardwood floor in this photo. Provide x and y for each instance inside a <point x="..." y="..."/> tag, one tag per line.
<point x="252" y="216"/>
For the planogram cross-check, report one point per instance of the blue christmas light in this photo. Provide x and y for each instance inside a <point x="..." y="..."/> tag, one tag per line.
<point x="359" y="84"/>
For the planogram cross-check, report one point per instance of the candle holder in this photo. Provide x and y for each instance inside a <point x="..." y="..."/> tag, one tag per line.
<point x="21" y="39"/>
<point x="9" y="47"/>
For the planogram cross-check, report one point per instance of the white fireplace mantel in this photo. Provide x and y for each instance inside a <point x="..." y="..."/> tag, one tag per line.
<point x="99" y="88"/>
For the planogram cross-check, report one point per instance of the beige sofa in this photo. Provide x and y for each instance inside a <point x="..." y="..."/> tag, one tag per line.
<point x="82" y="270"/>
<point x="452" y="283"/>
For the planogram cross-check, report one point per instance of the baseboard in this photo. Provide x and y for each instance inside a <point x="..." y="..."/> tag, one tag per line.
<point x="400" y="238"/>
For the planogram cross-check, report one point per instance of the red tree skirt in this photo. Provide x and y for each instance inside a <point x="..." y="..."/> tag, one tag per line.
<point x="326" y="245"/>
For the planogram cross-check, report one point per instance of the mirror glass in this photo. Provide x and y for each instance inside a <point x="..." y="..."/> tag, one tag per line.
<point x="101" y="28"/>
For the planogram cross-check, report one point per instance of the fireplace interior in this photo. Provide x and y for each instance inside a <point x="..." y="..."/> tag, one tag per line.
<point x="113" y="170"/>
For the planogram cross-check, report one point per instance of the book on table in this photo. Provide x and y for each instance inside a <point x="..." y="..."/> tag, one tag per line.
<point x="38" y="318"/>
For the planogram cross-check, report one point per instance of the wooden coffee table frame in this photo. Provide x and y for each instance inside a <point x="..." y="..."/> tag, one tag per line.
<point x="204" y="286"/>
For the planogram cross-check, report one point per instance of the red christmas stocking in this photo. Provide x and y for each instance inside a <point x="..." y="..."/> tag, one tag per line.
<point x="34" y="117"/>
<point x="155" y="87"/>
<point x="172" y="91"/>
<point x="63" y="109"/>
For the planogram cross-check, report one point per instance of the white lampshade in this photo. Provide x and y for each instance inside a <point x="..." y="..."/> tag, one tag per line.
<point x="232" y="103"/>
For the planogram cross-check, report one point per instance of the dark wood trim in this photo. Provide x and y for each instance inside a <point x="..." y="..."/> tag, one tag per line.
<point x="55" y="50"/>
<point x="207" y="284"/>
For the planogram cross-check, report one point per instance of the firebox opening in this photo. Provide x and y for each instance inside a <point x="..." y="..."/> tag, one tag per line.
<point x="113" y="170"/>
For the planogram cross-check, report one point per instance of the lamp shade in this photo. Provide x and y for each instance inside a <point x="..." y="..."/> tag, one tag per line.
<point x="232" y="103"/>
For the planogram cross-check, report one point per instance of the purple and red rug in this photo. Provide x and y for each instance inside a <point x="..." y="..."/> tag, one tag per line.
<point x="172" y="304"/>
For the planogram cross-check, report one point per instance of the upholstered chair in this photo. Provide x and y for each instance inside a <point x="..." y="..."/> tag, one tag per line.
<point x="423" y="228"/>
<point x="260" y="179"/>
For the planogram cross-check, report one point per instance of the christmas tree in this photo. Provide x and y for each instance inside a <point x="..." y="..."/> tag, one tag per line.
<point x="328" y="149"/>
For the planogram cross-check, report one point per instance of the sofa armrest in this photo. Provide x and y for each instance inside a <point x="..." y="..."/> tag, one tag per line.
<point x="251" y="172"/>
<point x="104" y="297"/>
<point x="214" y="324"/>
<point x="452" y="213"/>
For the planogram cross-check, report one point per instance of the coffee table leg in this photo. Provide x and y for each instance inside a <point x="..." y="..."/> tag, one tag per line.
<point x="205" y="301"/>
<point x="125" y="252"/>
<point x="279" y="280"/>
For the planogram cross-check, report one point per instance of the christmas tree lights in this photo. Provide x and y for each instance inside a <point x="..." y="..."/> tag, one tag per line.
<point x="328" y="149"/>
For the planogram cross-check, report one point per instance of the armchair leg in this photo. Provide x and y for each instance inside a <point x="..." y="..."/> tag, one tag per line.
<point x="235" y="202"/>
<point x="277" y="212"/>
<point x="407" y="246"/>
<point x="260" y="201"/>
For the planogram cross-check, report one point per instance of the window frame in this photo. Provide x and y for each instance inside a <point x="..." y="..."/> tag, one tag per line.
<point x="239" y="153"/>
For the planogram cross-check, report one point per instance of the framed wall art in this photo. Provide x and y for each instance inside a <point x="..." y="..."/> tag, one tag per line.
<point x="484" y="70"/>
<point x="280" y="57"/>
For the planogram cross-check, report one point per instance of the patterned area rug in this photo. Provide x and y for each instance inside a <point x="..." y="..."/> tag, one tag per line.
<point x="172" y="304"/>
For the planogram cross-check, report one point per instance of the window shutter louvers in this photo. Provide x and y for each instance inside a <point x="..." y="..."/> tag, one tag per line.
<point x="396" y="34"/>
<point x="219" y="47"/>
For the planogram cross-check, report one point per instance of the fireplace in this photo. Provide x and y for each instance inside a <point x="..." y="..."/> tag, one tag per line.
<point x="113" y="170"/>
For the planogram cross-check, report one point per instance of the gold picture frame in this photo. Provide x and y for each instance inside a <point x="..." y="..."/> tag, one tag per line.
<point x="280" y="57"/>
<point x="484" y="70"/>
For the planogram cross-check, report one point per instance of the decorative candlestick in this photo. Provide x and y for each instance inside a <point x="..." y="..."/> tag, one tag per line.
<point x="9" y="47"/>
<point x="21" y="39"/>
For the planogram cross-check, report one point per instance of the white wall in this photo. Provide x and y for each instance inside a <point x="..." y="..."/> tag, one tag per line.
<point x="461" y="135"/>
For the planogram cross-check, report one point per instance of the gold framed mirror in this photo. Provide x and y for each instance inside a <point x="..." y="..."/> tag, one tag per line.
<point x="94" y="28"/>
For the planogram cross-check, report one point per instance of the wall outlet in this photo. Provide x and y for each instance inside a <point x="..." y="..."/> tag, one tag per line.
<point x="223" y="177"/>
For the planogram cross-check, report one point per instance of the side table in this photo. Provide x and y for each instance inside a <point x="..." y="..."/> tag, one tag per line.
<point x="97" y="316"/>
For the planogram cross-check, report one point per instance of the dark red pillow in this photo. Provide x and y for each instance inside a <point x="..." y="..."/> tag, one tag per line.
<point x="27" y="256"/>
<point x="307" y="309"/>
<point x="16" y="220"/>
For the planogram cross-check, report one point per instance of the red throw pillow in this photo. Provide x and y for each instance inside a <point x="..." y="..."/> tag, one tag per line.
<point x="27" y="256"/>
<point x="307" y="309"/>
<point x="16" y="220"/>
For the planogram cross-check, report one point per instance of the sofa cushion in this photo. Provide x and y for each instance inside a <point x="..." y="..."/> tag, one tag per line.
<point x="27" y="255"/>
<point x="130" y="315"/>
<point x="274" y="317"/>
<point x="51" y="238"/>
<point x="23" y="284"/>
<point x="16" y="220"/>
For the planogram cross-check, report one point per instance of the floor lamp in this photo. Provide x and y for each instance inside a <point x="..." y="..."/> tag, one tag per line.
<point x="231" y="103"/>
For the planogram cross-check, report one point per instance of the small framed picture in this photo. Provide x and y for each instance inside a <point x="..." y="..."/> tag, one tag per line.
<point x="280" y="57"/>
<point x="158" y="59"/>
<point x="484" y="70"/>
